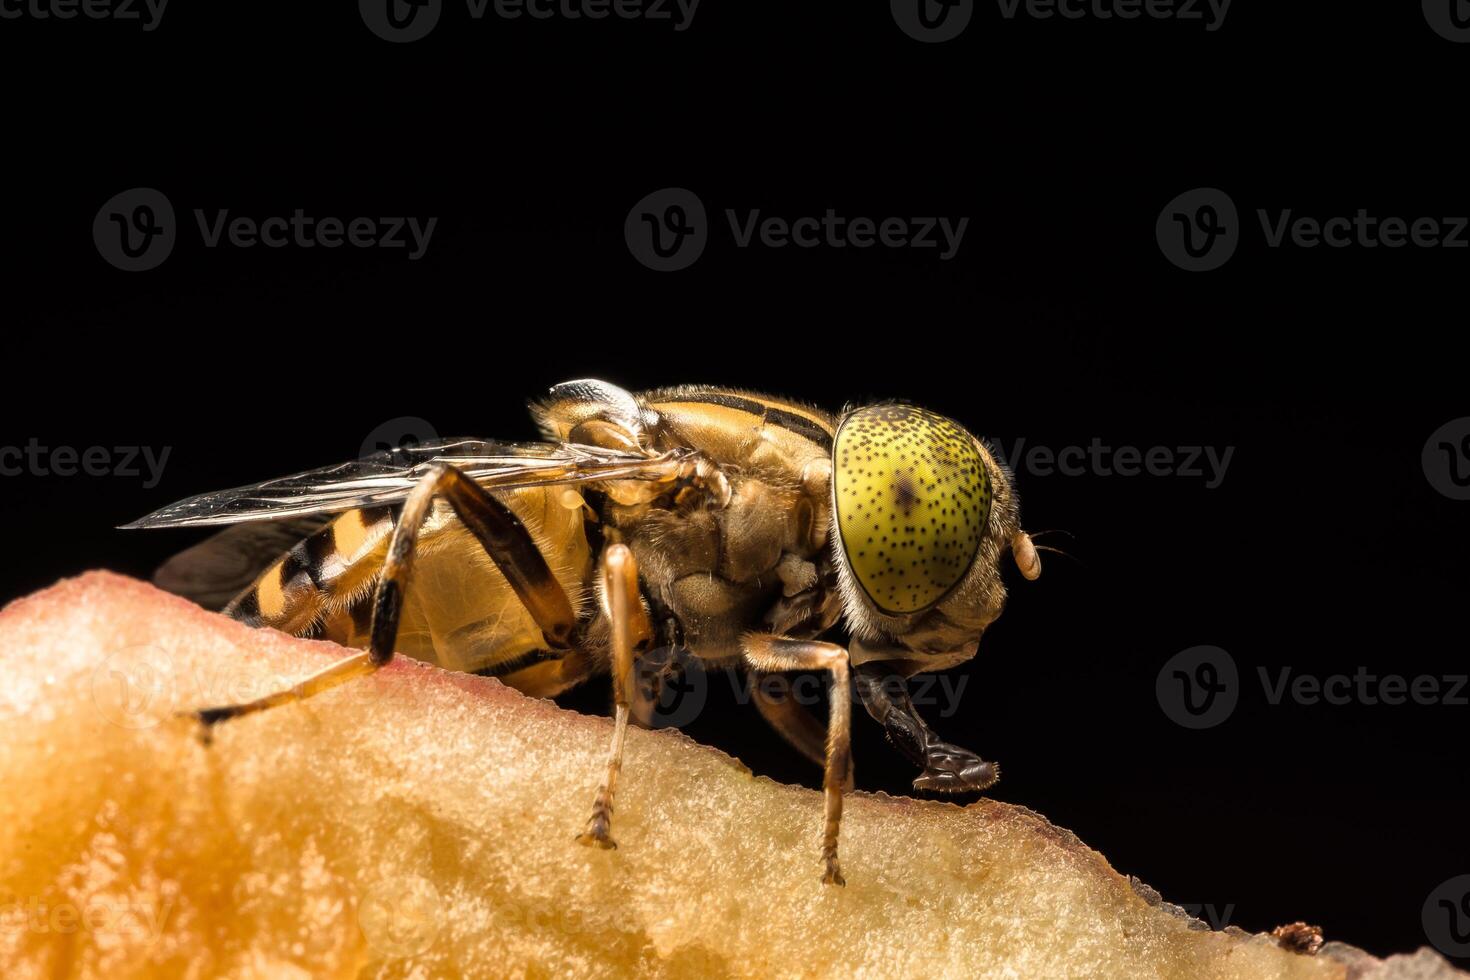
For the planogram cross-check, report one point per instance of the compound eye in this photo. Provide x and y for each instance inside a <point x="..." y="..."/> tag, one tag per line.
<point x="912" y="497"/>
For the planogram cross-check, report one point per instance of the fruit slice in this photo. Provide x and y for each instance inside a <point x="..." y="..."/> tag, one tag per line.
<point x="421" y="823"/>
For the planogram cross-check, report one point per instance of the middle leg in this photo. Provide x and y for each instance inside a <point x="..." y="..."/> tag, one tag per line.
<point x="777" y="704"/>
<point x="772" y="653"/>
<point x="631" y="632"/>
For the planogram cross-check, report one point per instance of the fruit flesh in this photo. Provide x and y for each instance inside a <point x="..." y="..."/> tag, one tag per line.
<point x="420" y="823"/>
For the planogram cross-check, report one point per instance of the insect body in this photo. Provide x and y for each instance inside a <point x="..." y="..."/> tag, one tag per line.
<point x="743" y="526"/>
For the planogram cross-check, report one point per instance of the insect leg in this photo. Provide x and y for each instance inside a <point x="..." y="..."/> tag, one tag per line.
<point x="801" y="730"/>
<point x="504" y="538"/>
<point x="773" y="653"/>
<point x="631" y="631"/>
<point x="947" y="768"/>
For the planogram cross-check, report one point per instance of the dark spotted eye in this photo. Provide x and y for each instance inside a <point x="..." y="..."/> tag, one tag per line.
<point x="912" y="498"/>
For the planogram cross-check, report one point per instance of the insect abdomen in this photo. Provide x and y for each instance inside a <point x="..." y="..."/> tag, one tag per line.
<point x="321" y="574"/>
<point x="460" y="612"/>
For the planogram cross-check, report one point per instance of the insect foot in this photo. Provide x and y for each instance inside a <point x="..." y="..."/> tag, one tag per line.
<point x="833" y="874"/>
<point x="205" y="719"/>
<point x="598" y="832"/>
<point x="951" y="769"/>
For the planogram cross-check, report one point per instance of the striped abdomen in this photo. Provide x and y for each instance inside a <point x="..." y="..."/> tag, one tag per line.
<point x="459" y="612"/>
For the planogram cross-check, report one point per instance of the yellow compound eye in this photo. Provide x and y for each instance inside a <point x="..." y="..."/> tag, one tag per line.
<point x="912" y="498"/>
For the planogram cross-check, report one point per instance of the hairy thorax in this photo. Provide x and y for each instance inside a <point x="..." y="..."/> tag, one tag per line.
<point x="720" y="572"/>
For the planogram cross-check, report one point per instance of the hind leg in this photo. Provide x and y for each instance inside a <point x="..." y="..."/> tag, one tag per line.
<point x="504" y="538"/>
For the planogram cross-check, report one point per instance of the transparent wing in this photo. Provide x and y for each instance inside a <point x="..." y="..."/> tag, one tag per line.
<point x="387" y="477"/>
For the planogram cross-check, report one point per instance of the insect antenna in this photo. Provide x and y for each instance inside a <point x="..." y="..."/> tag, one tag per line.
<point x="1057" y="551"/>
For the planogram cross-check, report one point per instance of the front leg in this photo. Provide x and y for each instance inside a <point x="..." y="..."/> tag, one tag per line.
<point x="947" y="768"/>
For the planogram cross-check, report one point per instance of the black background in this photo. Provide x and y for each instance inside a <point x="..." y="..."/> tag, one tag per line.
<point x="1325" y="548"/>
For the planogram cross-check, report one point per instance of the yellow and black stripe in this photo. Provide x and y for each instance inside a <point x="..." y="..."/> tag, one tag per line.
<point x="327" y="572"/>
<point x="747" y="409"/>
